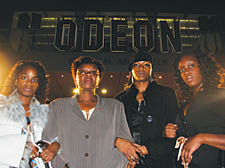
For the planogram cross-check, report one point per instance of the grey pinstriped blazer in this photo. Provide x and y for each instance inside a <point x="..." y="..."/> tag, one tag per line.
<point x="87" y="144"/>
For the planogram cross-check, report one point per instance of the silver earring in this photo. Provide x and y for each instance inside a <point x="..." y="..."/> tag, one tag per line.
<point x="132" y="79"/>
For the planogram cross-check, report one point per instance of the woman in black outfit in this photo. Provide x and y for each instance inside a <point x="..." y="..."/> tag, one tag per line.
<point x="149" y="107"/>
<point x="202" y="115"/>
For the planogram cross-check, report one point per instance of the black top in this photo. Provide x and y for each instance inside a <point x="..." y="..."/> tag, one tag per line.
<point x="206" y="114"/>
<point x="160" y="108"/>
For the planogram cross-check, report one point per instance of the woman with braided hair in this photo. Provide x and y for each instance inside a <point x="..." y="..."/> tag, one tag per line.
<point x="23" y="115"/>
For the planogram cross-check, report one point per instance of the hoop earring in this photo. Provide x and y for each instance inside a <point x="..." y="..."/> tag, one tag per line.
<point x="14" y="87"/>
<point x="151" y="79"/>
<point x="133" y="79"/>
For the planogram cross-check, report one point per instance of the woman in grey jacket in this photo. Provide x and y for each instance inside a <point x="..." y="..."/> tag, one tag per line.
<point x="93" y="131"/>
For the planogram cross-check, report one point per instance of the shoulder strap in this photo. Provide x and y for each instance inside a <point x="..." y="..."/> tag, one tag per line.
<point x="221" y="159"/>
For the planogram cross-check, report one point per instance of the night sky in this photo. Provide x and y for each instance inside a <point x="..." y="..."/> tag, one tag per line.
<point x="176" y="6"/>
<point x="134" y="5"/>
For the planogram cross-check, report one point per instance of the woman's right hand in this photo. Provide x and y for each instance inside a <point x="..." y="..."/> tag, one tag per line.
<point x="131" y="164"/>
<point x="170" y="130"/>
<point x="49" y="153"/>
<point x="128" y="149"/>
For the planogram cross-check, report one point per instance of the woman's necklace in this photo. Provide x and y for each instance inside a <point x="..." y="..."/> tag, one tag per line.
<point x="27" y="112"/>
<point x="139" y="97"/>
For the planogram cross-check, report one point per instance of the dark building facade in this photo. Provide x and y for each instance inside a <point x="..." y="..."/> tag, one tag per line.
<point x="56" y="37"/>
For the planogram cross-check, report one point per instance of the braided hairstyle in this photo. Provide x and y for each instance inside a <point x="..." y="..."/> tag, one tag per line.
<point x="43" y="79"/>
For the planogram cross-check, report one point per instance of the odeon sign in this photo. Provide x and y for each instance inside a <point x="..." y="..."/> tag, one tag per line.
<point x="78" y="36"/>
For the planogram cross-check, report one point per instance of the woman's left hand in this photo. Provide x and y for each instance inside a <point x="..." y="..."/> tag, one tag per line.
<point x="142" y="148"/>
<point x="190" y="147"/>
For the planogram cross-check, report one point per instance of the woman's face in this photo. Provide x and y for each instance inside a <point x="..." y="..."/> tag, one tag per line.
<point x="87" y="77"/>
<point x="190" y="71"/>
<point x="27" y="82"/>
<point x="142" y="70"/>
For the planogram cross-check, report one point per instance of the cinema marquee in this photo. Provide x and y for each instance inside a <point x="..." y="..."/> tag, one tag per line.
<point x="99" y="31"/>
<point x="88" y="35"/>
<point x="113" y="37"/>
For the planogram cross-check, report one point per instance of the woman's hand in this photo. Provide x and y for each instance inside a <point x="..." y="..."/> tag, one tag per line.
<point x="170" y="130"/>
<point x="142" y="148"/>
<point x="128" y="149"/>
<point x="190" y="147"/>
<point x="49" y="153"/>
<point x="131" y="164"/>
<point x="34" y="152"/>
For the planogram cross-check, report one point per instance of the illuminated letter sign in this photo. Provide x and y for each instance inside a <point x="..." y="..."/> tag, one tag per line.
<point x="93" y="35"/>
<point x="143" y="38"/>
<point x="167" y="37"/>
<point x="65" y="35"/>
<point x="88" y="36"/>
<point x="118" y="36"/>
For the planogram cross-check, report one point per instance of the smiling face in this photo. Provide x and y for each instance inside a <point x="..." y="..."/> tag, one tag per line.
<point x="87" y="77"/>
<point x="27" y="82"/>
<point x="190" y="72"/>
<point x="142" y="70"/>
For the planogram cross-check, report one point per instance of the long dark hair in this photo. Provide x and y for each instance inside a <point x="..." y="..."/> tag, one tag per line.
<point x="43" y="78"/>
<point x="209" y="70"/>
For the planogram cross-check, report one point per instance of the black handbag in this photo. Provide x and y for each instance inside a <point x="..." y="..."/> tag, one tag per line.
<point x="38" y="162"/>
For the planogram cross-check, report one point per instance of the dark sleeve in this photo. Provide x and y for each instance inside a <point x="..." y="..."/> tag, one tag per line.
<point x="172" y="107"/>
<point x="160" y="146"/>
<point x="180" y="121"/>
<point x="118" y="97"/>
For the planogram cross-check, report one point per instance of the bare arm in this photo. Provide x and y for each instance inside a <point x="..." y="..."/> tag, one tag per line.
<point x="215" y="140"/>
<point x="193" y="143"/>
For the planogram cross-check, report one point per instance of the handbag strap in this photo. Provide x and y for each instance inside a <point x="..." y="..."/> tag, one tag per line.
<point x="221" y="159"/>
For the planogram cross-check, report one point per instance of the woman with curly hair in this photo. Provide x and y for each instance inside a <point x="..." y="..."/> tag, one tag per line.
<point x="201" y="121"/>
<point x="23" y="115"/>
